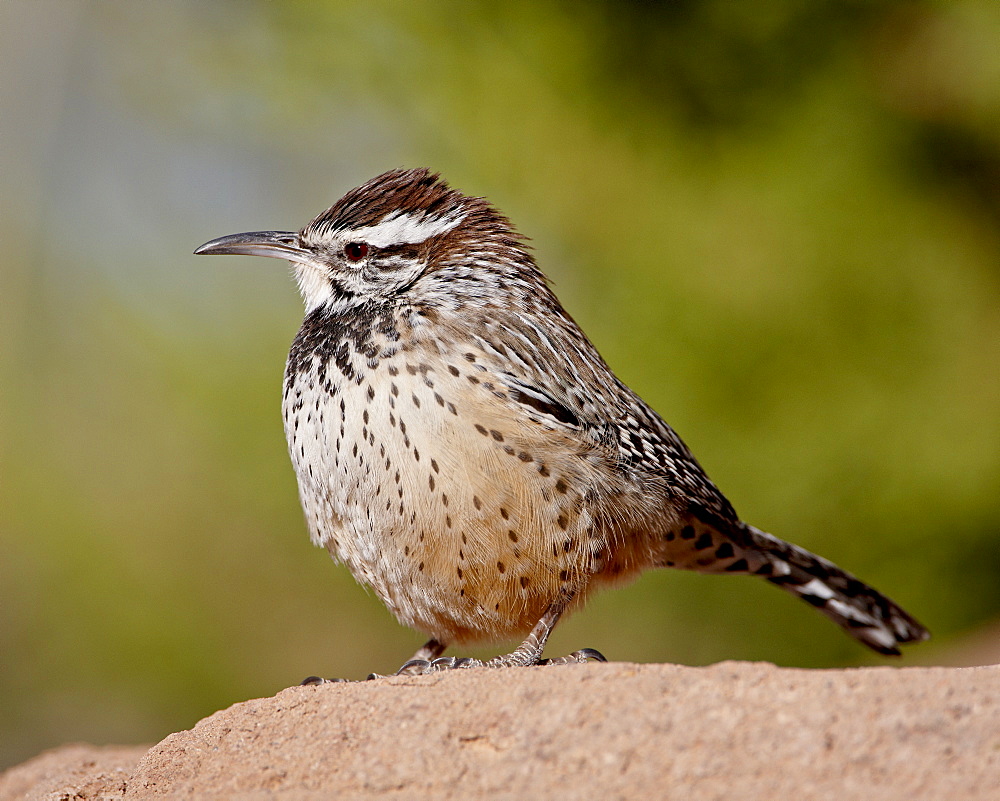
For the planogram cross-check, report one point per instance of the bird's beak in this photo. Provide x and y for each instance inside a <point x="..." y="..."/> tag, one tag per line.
<point x="276" y="244"/>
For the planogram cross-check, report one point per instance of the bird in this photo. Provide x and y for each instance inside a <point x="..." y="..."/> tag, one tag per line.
<point x="462" y="447"/>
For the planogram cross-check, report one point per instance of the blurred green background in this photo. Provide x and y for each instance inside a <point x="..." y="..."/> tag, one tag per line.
<point x="777" y="220"/>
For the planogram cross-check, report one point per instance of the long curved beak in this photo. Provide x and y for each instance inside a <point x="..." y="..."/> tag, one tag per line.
<point x="276" y="244"/>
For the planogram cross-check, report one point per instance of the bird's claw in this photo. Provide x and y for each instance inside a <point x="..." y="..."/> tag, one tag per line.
<point x="415" y="667"/>
<point x="309" y="681"/>
<point x="576" y="658"/>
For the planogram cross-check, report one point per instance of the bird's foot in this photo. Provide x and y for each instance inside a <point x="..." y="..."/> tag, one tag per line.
<point x="421" y="667"/>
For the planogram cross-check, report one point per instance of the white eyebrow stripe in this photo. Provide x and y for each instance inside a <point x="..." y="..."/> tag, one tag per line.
<point x="402" y="228"/>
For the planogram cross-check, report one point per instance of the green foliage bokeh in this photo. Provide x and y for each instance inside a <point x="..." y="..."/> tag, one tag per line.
<point x="778" y="222"/>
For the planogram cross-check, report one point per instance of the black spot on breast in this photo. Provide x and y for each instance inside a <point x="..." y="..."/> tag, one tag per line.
<point x="342" y="358"/>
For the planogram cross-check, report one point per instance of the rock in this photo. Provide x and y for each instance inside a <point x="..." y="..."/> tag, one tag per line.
<point x="733" y="730"/>
<point x="72" y="772"/>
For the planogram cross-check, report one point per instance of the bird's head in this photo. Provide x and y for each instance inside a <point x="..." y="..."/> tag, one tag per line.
<point x="403" y="233"/>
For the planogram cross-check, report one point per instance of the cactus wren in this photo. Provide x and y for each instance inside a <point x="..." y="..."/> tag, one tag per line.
<point x="463" y="448"/>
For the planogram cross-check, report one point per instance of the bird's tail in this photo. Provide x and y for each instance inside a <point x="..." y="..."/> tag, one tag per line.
<point x="862" y="611"/>
<point x="709" y="544"/>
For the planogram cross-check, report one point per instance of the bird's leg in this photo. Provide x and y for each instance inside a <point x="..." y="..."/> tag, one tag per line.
<point x="431" y="649"/>
<point x="425" y="654"/>
<point x="428" y="651"/>
<point x="526" y="654"/>
<point x="529" y="652"/>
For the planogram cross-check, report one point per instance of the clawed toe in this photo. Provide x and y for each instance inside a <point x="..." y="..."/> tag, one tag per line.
<point x="421" y="667"/>
<point x="415" y="667"/>
<point x="310" y="680"/>
<point x="576" y="658"/>
<point x="454" y="662"/>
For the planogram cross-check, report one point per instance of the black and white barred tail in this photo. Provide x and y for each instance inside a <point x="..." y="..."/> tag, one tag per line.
<point x="709" y="544"/>
<point x="862" y="611"/>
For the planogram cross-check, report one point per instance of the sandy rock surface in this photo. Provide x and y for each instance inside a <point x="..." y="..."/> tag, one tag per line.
<point x="73" y="772"/>
<point x="607" y="731"/>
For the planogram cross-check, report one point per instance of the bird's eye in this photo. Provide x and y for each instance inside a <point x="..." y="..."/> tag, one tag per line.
<point x="355" y="251"/>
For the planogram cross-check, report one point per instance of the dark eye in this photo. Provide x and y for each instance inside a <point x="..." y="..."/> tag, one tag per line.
<point x="355" y="251"/>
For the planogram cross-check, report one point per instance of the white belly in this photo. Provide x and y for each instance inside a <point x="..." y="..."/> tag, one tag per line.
<point x="440" y="497"/>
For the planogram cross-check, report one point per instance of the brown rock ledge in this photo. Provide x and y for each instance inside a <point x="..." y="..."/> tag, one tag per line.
<point x="73" y="772"/>
<point x="732" y="730"/>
